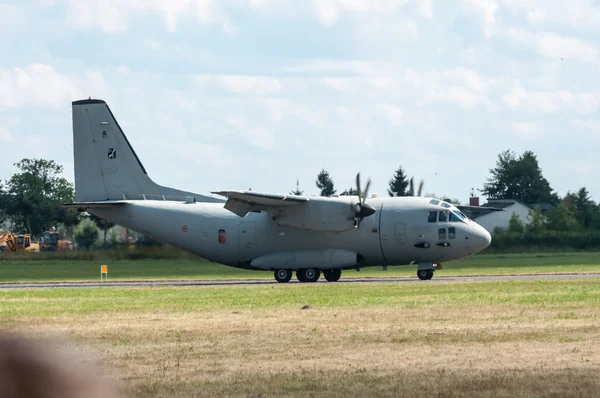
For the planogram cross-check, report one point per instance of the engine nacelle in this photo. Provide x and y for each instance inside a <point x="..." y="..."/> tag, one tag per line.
<point x="319" y="214"/>
<point x="297" y="259"/>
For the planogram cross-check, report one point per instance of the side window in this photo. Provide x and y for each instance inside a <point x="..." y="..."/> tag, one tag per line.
<point x="27" y="243"/>
<point x="454" y="217"/>
<point x="443" y="216"/>
<point x="451" y="233"/>
<point x="442" y="233"/>
<point x="432" y="216"/>
<point x="222" y="236"/>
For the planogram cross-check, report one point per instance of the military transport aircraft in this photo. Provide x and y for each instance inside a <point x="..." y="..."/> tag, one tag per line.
<point x="263" y="231"/>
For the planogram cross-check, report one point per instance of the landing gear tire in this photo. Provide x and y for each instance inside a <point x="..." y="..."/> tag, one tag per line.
<point x="301" y="275"/>
<point x="283" y="275"/>
<point x="332" y="275"/>
<point x="425" y="274"/>
<point x="312" y="274"/>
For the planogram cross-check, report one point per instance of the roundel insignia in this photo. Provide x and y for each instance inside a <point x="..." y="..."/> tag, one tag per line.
<point x="184" y="228"/>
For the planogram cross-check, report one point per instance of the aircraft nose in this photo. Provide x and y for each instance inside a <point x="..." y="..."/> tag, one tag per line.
<point x="482" y="238"/>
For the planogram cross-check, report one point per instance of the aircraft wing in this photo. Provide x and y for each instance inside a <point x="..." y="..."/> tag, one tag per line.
<point x="477" y="209"/>
<point x="241" y="202"/>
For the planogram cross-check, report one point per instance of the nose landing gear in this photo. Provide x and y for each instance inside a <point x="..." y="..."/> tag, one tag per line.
<point x="425" y="270"/>
<point x="425" y="274"/>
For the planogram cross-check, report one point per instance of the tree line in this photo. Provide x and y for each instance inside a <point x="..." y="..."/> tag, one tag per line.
<point x="30" y="203"/>
<point x="30" y="199"/>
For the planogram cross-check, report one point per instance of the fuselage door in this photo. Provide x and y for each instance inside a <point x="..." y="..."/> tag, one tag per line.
<point x="393" y="234"/>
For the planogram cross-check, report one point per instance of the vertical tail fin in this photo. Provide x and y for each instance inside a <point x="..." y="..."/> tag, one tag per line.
<point x="106" y="166"/>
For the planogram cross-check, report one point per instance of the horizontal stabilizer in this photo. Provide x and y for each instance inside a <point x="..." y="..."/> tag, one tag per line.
<point x="100" y="204"/>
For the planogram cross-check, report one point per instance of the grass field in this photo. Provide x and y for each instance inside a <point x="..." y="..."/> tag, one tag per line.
<point x="196" y="268"/>
<point x="486" y="339"/>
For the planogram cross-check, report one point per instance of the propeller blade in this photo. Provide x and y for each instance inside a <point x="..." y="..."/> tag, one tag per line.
<point x="366" y="191"/>
<point x="411" y="189"/>
<point x="358" y="186"/>
<point x="420" y="188"/>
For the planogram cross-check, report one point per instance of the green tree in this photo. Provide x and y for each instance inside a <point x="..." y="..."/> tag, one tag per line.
<point x="102" y="224"/>
<point x="86" y="234"/>
<point x="583" y="206"/>
<point x="398" y="185"/>
<point x="297" y="191"/>
<point x="561" y="218"/>
<point x="3" y="204"/>
<point x="350" y="192"/>
<point x="519" y="178"/>
<point x="515" y="224"/>
<point x="537" y="221"/>
<point x="32" y="197"/>
<point x="325" y="184"/>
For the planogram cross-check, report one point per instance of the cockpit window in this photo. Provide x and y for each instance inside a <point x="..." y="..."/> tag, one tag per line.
<point x="446" y="205"/>
<point x="434" y="201"/>
<point x="454" y="217"/>
<point x="432" y="216"/>
<point x="443" y="216"/>
<point x="457" y="215"/>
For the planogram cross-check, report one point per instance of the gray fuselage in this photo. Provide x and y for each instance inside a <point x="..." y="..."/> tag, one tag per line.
<point x="388" y="237"/>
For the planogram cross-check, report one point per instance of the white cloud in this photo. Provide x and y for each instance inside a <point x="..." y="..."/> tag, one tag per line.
<point x="242" y="84"/>
<point x="528" y="130"/>
<point x="574" y="13"/>
<point x="5" y="135"/>
<point x="257" y="136"/>
<point x="261" y="137"/>
<point x="551" y="101"/>
<point x="330" y="11"/>
<point x="39" y="84"/>
<point x="461" y="86"/>
<point x="581" y="166"/>
<point x="553" y="46"/>
<point x="393" y="113"/>
<point x="112" y="16"/>
<point x="12" y="18"/>
<point x="486" y="9"/>
<point x="250" y="84"/>
<point x="426" y="8"/>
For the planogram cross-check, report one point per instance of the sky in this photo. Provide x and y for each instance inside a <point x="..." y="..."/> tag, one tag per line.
<point x="255" y="94"/>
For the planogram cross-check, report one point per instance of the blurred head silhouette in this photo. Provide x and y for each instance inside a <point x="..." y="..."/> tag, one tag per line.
<point x="37" y="369"/>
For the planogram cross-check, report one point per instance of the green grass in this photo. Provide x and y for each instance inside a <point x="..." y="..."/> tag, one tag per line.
<point x="567" y="294"/>
<point x="196" y="268"/>
<point x="512" y="338"/>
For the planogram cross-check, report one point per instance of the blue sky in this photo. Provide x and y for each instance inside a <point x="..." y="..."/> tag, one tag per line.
<point x="239" y="94"/>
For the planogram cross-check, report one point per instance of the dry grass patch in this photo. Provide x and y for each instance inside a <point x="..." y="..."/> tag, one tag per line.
<point x="413" y="346"/>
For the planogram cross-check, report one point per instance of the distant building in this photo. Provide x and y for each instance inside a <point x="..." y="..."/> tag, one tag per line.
<point x="493" y="220"/>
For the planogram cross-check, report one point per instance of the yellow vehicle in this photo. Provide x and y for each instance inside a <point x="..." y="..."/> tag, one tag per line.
<point x="18" y="243"/>
<point x="52" y="242"/>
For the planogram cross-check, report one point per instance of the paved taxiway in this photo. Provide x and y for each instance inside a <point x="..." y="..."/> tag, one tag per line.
<point x="224" y="282"/>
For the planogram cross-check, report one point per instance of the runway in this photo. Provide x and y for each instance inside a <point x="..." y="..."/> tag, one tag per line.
<point x="234" y="282"/>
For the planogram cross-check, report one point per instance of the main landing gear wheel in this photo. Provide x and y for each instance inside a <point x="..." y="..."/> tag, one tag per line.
<point x="283" y="275"/>
<point x="301" y="275"/>
<point x="308" y="274"/>
<point x="332" y="275"/>
<point x="425" y="274"/>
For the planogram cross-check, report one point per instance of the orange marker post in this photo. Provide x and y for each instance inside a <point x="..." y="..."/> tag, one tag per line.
<point x="104" y="272"/>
